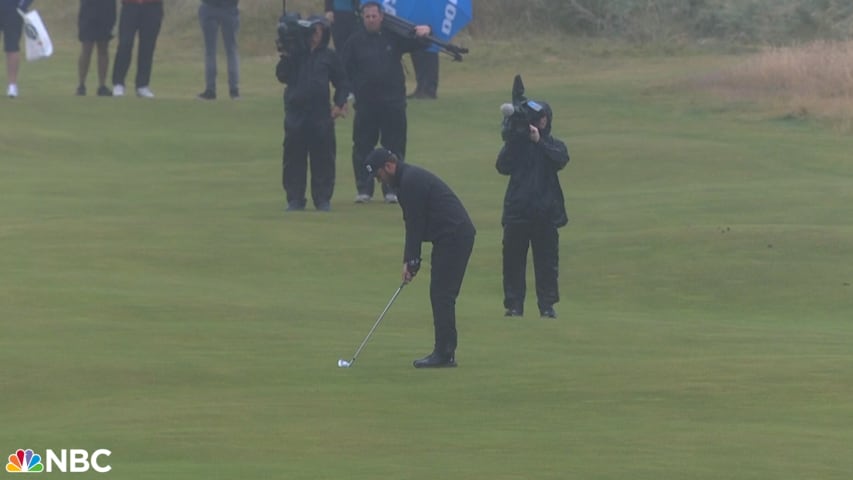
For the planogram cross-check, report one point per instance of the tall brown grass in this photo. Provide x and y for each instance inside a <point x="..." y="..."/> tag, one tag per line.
<point x="812" y="80"/>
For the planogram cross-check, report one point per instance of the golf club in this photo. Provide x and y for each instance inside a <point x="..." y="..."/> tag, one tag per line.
<point x="346" y="364"/>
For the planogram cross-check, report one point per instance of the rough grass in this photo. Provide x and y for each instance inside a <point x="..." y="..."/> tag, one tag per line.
<point x="812" y="80"/>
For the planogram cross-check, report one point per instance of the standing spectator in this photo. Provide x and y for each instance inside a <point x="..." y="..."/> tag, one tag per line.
<point x="309" y="127"/>
<point x="372" y="58"/>
<point x="12" y="25"/>
<point x="534" y="208"/>
<point x="95" y="23"/>
<point x="214" y="15"/>
<point x="425" y="63"/>
<point x="432" y="213"/>
<point x="341" y="14"/>
<point x="143" y="17"/>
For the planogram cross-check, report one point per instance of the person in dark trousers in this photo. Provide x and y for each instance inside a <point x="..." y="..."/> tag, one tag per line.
<point x="95" y="22"/>
<point x="213" y="16"/>
<point x="309" y="128"/>
<point x="11" y="24"/>
<point x="373" y="60"/>
<point x="533" y="211"/>
<point x="425" y="63"/>
<point x="143" y="17"/>
<point x="342" y="15"/>
<point x="432" y="213"/>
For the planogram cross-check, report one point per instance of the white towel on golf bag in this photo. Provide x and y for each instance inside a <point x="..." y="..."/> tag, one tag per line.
<point x="37" y="41"/>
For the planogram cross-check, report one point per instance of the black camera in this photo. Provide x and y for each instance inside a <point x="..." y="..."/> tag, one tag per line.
<point x="294" y="34"/>
<point x="520" y="114"/>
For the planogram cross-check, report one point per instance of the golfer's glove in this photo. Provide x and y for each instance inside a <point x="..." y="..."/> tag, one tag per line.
<point x="413" y="266"/>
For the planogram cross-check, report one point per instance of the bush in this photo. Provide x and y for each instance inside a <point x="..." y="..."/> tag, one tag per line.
<point x="749" y="21"/>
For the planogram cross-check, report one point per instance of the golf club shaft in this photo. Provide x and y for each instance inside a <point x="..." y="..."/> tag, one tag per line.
<point x="376" y="324"/>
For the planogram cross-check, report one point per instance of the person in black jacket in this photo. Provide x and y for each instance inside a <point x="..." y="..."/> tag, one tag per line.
<point x="432" y="213"/>
<point x="373" y="60"/>
<point x="309" y="128"/>
<point x="533" y="211"/>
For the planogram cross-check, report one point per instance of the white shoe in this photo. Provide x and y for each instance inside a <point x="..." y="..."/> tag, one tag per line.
<point x="362" y="198"/>
<point x="144" y="92"/>
<point x="118" y="90"/>
<point x="12" y="91"/>
<point x="390" y="198"/>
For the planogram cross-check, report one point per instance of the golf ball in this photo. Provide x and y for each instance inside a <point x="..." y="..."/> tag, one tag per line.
<point x="343" y="363"/>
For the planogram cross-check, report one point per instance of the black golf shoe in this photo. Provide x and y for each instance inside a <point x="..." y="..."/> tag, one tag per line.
<point x="435" y="360"/>
<point x="548" y="312"/>
<point x="513" y="312"/>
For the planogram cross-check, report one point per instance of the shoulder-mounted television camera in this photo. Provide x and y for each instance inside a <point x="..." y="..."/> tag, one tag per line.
<point x="294" y="34"/>
<point x="520" y="114"/>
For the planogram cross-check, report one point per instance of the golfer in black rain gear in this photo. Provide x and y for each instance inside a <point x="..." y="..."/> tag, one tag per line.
<point x="534" y="208"/>
<point x="432" y="213"/>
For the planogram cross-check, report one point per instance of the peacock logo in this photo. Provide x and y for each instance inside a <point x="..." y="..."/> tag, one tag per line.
<point x="24" y="461"/>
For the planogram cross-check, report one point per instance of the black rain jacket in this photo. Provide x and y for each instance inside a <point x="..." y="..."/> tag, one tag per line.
<point x="431" y="211"/>
<point x="534" y="193"/>
<point x="373" y="62"/>
<point x="307" y="75"/>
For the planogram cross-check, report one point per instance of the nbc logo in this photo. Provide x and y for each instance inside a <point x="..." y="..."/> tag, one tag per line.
<point x="74" y="460"/>
<point x="24" y="461"/>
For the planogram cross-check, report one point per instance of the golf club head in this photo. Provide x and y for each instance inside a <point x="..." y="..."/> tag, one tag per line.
<point x="343" y="363"/>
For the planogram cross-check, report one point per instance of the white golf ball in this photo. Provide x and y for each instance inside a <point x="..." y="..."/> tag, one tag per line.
<point x="343" y="363"/>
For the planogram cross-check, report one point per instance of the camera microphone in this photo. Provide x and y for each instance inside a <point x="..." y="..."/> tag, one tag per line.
<point x="507" y="109"/>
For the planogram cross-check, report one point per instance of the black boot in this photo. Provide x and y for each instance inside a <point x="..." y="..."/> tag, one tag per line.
<point x="436" y="360"/>
<point x="514" y="312"/>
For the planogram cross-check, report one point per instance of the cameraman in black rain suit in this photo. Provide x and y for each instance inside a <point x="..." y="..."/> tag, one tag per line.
<point x="373" y="60"/>
<point x="307" y="66"/>
<point x="432" y="213"/>
<point x="533" y="211"/>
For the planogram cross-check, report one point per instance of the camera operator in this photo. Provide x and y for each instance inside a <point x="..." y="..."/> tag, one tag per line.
<point x="373" y="60"/>
<point x="432" y="213"/>
<point x="533" y="211"/>
<point x="307" y="67"/>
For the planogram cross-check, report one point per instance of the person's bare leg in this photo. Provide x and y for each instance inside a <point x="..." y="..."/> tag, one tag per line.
<point x="103" y="62"/>
<point x="84" y="61"/>
<point x="13" y="61"/>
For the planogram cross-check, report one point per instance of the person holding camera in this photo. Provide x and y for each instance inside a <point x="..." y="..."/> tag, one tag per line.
<point x="432" y="213"/>
<point x="307" y="66"/>
<point x="533" y="211"/>
<point x="373" y="60"/>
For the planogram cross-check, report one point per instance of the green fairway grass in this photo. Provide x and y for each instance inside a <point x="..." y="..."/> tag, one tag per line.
<point x="157" y="301"/>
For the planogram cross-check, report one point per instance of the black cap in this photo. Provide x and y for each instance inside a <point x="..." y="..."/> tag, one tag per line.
<point x="376" y="160"/>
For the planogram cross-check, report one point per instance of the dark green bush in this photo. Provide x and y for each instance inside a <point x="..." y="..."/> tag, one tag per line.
<point x="751" y="21"/>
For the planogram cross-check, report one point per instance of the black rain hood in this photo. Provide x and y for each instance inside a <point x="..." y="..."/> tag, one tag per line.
<point x="548" y="113"/>
<point x="327" y="31"/>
